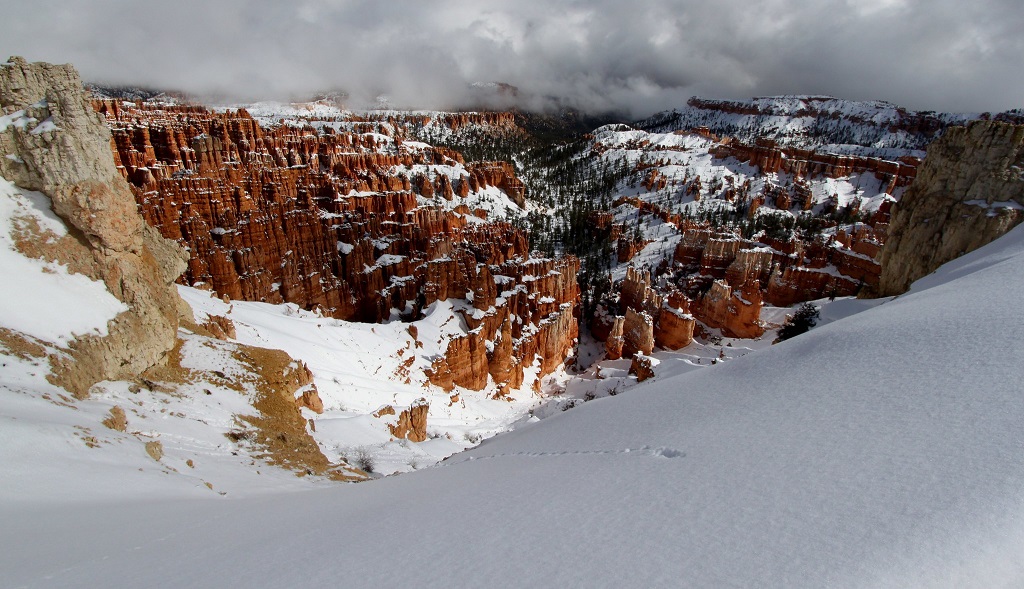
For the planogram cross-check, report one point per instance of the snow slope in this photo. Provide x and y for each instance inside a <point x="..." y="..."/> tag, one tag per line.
<point x="883" y="449"/>
<point x="61" y="304"/>
<point x="360" y="367"/>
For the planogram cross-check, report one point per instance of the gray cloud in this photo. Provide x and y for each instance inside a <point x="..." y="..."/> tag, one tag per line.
<point x="635" y="57"/>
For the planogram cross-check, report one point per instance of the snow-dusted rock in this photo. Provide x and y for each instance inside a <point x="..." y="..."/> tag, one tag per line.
<point x="69" y="161"/>
<point x="969" y="191"/>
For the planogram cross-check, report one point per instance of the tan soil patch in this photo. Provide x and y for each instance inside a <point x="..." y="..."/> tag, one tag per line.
<point x="117" y="420"/>
<point x="278" y="430"/>
<point x="21" y="345"/>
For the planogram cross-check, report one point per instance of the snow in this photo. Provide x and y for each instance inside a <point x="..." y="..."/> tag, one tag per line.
<point x="43" y="299"/>
<point x="45" y="127"/>
<point x="360" y="367"/>
<point x="881" y="449"/>
<point x="18" y="119"/>
<point x="389" y="260"/>
<point x="865" y="127"/>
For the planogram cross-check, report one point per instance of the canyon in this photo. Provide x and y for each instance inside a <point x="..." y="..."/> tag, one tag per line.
<point x="322" y="293"/>
<point x="362" y="223"/>
<point x="405" y="279"/>
<point x="356" y="216"/>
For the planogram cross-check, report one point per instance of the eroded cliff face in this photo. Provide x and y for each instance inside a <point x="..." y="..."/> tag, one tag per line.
<point x="55" y="143"/>
<point x="770" y="157"/>
<point x="348" y="221"/>
<point x="968" y="192"/>
<point x="356" y="219"/>
<point x="527" y="322"/>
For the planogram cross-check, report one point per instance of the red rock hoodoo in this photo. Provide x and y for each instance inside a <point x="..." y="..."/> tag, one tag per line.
<point x="358" y="223"/>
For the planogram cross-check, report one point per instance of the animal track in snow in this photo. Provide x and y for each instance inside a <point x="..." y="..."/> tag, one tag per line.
<point x="660" y="452"/>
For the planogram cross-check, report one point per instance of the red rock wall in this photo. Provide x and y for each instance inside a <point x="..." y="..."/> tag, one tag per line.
<point x="736" y="312"/>
<point x="323" y="220"/>
<point x="532" y="318"/>
<point x="270" y="214"/>
<point x="770" y="157"/>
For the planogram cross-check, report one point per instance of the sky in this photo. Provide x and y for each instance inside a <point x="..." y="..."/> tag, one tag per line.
<point x="632" y="58"/>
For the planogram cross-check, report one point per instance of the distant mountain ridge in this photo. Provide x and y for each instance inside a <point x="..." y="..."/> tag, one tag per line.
<point x="874" y="127"/>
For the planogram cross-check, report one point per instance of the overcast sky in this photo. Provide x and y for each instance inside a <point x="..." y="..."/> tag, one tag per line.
<point x="633" y="56"/>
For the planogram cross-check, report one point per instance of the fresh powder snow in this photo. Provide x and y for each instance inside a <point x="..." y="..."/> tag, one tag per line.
<point x="881" y="449"/>
<point x="39" y="298"/>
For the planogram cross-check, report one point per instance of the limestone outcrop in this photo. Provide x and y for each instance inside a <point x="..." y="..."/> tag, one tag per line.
<point x="55" y="143"/>
<point x="968" y="192"/>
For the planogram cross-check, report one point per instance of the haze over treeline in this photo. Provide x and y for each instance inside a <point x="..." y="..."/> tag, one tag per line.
<point x="597" y="56"/>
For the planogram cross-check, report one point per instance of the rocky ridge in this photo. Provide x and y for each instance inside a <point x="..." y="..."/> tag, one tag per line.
<point x="55" y="143"/>
<point x="969" y="191"/>
<point x="865" y="127"/>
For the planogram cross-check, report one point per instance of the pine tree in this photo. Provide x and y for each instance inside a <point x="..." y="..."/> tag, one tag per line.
<point x="802" y="321"/>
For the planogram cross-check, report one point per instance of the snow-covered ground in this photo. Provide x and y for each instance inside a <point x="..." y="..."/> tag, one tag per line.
<point x="881" y="449"/>
<point x="358" y="368"/>
<point x="43" y="299"/>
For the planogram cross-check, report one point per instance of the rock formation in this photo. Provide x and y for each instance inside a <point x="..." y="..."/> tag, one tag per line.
<point x="355" y="221"/>
<point x="55" y="143"/>
<point x="321" y="219"/>
<point x="818" y="120"/>
<point x="637" y="333"/>
<point x="614" y="344"/>
<point x="674" y="327"/>
<point x="533" y="318"/>
<point x="769" y="157"/>
<point x="412" y="422"/>
<point x="643" y="367"/>
<point x="736" y="312"/>
<point x="969" y="191"/>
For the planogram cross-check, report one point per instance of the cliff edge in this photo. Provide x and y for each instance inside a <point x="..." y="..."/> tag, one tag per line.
<point x="968" y="192"/>
<point x="53" y="142"/>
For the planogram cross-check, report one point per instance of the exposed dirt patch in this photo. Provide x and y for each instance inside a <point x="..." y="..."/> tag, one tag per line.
<point x="220" y="327"/>
<point x="277" y="430"/>
<point x="21" y="345"/>
<point x="36" y="242"/>
<point x="117" y="420"/>
<point x="155" y="450"/>
<point x="170" y="373"/>
<point x="280" y="429"/>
